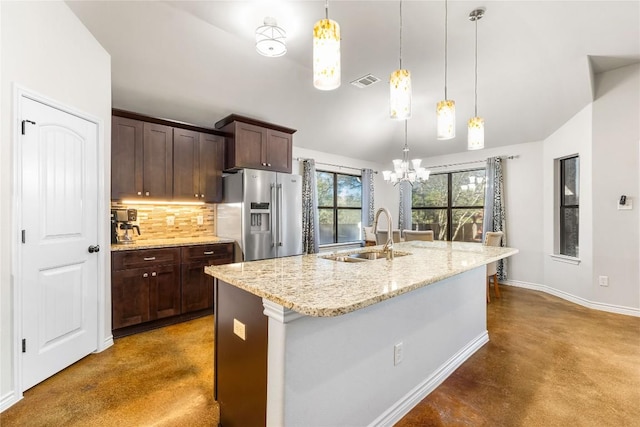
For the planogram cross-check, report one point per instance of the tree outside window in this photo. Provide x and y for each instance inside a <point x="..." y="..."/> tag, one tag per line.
<point x="339" y="207"/>
<point x="569" y="205"/>
<point x="451" y="204"/>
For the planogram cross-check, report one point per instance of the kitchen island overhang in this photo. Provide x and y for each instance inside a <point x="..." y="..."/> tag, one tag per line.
<point x="330" y="355"/>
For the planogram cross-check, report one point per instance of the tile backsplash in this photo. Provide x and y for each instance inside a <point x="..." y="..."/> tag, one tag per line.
<point x="154" y="220"/>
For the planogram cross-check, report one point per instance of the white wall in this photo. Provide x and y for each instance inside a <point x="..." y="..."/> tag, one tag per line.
<point x="522" y="198"/>
<point x="574" y="137"/>
<point x="616" y="137"/>
<point x="46" y="49"/>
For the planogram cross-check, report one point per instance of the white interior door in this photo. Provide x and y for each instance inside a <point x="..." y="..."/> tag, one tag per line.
<point x="59" y="219"/>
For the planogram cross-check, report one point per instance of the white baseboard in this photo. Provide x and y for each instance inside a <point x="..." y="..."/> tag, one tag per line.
<point x="8" y="400"/>
<point x="618" y="309"/>
<point x="403" y="406"/>
<point x="108" y="342"/>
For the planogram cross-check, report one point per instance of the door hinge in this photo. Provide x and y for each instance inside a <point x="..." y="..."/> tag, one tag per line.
<point x="24" y="345"/>
<point x="25" y="122"/>
<point x="24" y="236"/>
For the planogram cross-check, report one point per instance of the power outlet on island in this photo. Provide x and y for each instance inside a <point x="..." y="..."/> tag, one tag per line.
<point x="398" y="354"/>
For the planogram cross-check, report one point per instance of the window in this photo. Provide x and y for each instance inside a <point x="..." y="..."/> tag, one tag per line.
<point x="451" y="204"/>
<point x="339" y="207"/>
<point x="569" y="205"/>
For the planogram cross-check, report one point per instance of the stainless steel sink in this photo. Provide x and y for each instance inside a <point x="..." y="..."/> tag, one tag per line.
<point x="363" y="256"/>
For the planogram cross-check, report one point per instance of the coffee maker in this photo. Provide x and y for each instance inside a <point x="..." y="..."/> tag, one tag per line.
<point x="121" y="219"/>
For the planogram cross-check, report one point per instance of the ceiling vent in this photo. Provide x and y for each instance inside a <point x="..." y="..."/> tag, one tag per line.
<point x="365" y="81"/>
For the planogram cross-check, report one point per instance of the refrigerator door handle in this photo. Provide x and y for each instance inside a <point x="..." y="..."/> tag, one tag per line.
<point x="279" y="196"/>
<point x="273" y="213"/>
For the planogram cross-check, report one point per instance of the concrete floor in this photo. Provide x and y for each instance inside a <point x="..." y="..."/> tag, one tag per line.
<point x="548" y="363"/>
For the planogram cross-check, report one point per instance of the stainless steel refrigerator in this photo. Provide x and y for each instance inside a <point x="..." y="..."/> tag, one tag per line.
<point x="262" y="212"/>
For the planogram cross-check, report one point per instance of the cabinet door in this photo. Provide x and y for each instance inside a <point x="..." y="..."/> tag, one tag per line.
<point x="164" y="291"/>
<point x="158" y="161"/>
<point x="186" y="165"/>
<point x="249" y="146"/>
<point x="279" y="151"/>
<point x="130" y="297"/>
<point x="126" y="157"/>
<point x="197" y="287"/>
<point x="211" y="165"/>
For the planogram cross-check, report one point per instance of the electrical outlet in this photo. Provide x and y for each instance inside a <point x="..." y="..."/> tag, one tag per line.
<point x="171" y="220"/>
<point x="200" y="219"/>
<point x="398" y="353"/>
<point x="239" y="329"/>
<point x="603" y="280"/>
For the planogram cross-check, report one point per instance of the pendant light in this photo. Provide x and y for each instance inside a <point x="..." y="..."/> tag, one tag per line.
<point x="446" y="109"/>
<point x="400" y="87"/>
<point x="326" y="53"/>
<point x="475" y="137"/>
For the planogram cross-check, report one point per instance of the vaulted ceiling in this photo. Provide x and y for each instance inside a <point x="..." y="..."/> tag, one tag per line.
<point x="196" y="62"/>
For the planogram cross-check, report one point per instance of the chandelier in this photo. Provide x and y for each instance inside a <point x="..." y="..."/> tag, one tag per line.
<point x="405" y="170"/>
<point x="270" y="39"/>
<point x="326" y="53"/>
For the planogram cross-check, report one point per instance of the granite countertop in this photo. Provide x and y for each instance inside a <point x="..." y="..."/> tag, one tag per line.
<point x="170" y="243"/>
<point x="320" y="287"/>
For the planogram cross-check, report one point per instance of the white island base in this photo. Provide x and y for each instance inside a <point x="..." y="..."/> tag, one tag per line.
<point x="339" y="371"/>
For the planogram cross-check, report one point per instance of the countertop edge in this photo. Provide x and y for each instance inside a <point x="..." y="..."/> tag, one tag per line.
<point x="159" y="244"/>
<point x="338" y="311"/>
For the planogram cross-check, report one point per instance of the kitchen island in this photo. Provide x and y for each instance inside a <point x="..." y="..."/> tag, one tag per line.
<point x="323" y="340"/>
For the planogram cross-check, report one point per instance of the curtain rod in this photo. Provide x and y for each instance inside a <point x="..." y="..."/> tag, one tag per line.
<point x="471" y="162"/>
<point x="299" y="159"/>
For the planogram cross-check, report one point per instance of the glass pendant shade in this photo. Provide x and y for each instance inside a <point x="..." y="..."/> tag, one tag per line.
<point x="400" y="95"/>
<point x="446" y="119"/>
<point x="270" y="39"/>
<point x="326" y="55"/>
<point x="475" y="139"/>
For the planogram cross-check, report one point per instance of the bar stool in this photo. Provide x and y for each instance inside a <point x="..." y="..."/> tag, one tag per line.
<point x="426" y="235"/>
<point x="493" y="238"/>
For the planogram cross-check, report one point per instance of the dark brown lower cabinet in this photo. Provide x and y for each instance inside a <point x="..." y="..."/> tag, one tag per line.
<point x="157" y="287"/>
<point x="240" y="363"/>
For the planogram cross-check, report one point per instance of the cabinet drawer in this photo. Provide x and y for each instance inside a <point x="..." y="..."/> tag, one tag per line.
<point x="219" y="253"/>
<point x="144" y="257"/>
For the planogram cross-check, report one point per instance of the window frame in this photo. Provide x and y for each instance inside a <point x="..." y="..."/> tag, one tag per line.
<point x="449" y="208"/>
<point x="563" y="207"/>
<point x="336" y="208"/>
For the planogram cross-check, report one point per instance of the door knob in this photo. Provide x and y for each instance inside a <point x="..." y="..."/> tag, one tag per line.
<point x="93" y="248"/>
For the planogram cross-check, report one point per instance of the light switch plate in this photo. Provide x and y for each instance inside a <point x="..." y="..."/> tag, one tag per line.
<point x="239" y="329"/>
<point x="200" y="219"/>
<point x="627" y="206"/>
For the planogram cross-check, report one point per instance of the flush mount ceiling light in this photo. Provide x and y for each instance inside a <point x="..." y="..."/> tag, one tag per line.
<point x="270" y="39"/>
<point x="446" y="109"/>
<point x="400" y="87"/>
<point x="475" y="137"/>
<point x="405" y="170"/>
<point x="326" y="53"/>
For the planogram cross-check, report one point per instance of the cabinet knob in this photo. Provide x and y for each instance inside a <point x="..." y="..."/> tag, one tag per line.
<point x="269" y="164"/>
<point x="195" y="195"/>
<point x="139" y="193"/>
<point x="154" y="274"/>
<point x="202" y="195"/>
<point x="145" y="275"/>
<point x="264" y="164"/>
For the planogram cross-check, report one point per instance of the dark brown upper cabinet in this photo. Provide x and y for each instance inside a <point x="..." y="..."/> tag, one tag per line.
<point x="163" y="160"/>
<point x="197" y="166"/>
<point x="256" y="145"/>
